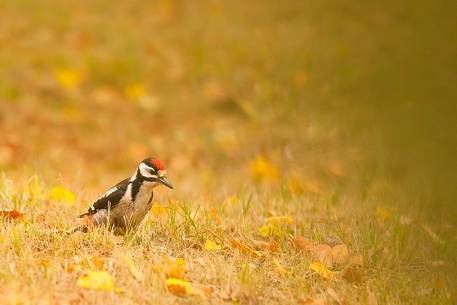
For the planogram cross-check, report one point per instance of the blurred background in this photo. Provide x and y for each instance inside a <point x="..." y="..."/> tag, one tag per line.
<point x="329" y="96"/>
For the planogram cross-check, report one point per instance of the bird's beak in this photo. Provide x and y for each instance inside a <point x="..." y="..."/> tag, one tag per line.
<point x="165" y="182"/>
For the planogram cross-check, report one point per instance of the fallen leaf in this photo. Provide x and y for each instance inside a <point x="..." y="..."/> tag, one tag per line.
<point x="11" y="214"/>
<point x="302" y="243"/>
<point x="321" y="269"/>
<point x="99" y="263"/>
<point x="323" y="253"/>
<point x="262" y="170"/>
<point x="178" y="287"/>
<point x="177" y="269"/>
<point x="61" y="194"/>
<point x="263" y="245"/>
<point x="244" y="248"/>
<point x="131" y="266"/>
<point x="68" y="78"/>
<point x="96" y="280"/>
<point x="171" y="267"/>
<point x="340" y="254"/>
<point x="212" y="246"/>
<point x="135" y="91"/>
<point x="268" y="230"/>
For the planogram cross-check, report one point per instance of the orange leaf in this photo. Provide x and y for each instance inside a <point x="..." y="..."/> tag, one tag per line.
<point x="11" y="214"/>
<point x="263" y="245"/>
<point x="302" y="243"/>
<point x="323" y="253"/>
<point x="243" y="248"/>
<point x="178" y="286"/>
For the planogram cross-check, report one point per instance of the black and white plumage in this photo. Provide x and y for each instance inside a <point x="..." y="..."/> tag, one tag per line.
<point x="126" y="204"/>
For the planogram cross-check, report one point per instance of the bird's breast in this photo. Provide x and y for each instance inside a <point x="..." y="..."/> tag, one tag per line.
<point x="142" y="203"/>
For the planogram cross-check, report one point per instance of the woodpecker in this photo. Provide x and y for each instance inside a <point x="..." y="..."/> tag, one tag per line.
<point x="124" y="206"/>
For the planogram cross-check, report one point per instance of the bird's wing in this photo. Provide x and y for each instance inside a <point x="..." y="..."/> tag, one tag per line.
<point x="110" y="198"/>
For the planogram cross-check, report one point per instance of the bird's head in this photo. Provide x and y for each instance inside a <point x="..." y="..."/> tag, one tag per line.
<point x="152" y="171"/>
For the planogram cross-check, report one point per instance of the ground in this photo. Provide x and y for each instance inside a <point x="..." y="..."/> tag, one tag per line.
<point x="273" y="203"/>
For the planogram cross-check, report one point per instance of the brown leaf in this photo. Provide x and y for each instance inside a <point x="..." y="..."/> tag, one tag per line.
<point x="340" y="254"/>
<point x="302" y="243"/>
<point x="11" y="214"/>
<point x="323" y="253"/>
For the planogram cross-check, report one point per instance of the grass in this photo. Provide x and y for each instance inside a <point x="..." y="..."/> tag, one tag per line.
<point x="42" y="263"/>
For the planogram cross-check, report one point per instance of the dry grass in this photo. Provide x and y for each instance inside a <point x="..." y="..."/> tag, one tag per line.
<point x="42" y="264"/>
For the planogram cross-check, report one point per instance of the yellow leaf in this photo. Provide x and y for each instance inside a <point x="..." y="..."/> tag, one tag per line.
<point x="178" y="286"/>
<point x="211" y="245"/>
<point x="68" y="78"/>
<point x="61" y="194"/>
<point x="135" y="91"/>
<point x="279" y="268"/>
<point x="98" y="263"/>
<point x="262" y="170"/>
<point x="321" y="269"/>
<point x="177" y="269"/>
<point x="119" y="290"/>
<point x="133" y="270"/>
<point x="97" y="280"/>
<point x="267" y="230"/>
<point x="158" y="210"/>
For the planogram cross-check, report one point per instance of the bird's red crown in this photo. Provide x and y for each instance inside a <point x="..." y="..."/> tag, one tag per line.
<point x="157" y="164"/>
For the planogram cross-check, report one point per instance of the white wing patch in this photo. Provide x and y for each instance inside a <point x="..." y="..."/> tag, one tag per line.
<point x="108" y="192"/>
